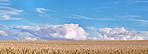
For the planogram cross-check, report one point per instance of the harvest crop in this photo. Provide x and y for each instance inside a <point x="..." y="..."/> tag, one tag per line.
<point x="74" y="47"/>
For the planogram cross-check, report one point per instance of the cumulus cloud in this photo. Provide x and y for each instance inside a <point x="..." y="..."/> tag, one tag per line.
<point x="57" y="32"/>
<point x="48" y="32"/>
<point x="118" y="34"/>
<point x="144" y="34"/>
<point x="24" y="36"/>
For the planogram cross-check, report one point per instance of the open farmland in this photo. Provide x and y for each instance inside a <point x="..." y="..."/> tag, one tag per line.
<point x="74" y="47"/>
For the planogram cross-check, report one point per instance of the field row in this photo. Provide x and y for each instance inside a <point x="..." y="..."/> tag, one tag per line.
<point x="74" y="47"/>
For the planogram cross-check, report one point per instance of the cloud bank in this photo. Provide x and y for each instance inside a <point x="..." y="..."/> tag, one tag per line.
<point x="48" y="32"/>
<point x="10" y="35"/>
<point x="65" y="32"/>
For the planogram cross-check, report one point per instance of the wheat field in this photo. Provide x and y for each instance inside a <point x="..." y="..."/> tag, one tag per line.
<point x="74" y="47"/>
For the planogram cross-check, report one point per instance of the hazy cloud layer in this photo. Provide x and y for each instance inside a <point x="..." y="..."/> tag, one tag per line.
<point x="16" y="35"/>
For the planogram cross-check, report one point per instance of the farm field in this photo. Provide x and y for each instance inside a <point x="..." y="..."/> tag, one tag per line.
<point x="74" y="47"/>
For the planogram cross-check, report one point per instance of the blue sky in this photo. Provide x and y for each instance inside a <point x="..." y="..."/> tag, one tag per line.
<point x="91" y="15"/>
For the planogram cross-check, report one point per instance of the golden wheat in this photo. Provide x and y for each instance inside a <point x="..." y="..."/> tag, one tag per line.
<point x="74" y="47"/>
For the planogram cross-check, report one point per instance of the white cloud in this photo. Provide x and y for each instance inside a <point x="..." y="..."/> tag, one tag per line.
<point x="57" y="32"/>
<point x="91" y="28"/>
<point x="2" y="26"/>
<point x="40" y="10"/>
<point x="5" y="7"/>
<point x="144" y="34"/>
<point x="128" y="16"/>
<point x="118" y="34"/>
<point x="110" y="3"/>
<point x="83" y="17"/>
<point x="3" y="33"/>
<point x="142" y="20"/>
<point x="92" y="38"/>
<point x="5" y="17"/>
<point x="108" y="19"/>
<point x="30" y="38"/>
<point x="6" y="12"/>
<point x="79" y="17"/>
<point x="136" y="2"/>
<point x="16" y="35"/>
<point x="24" y="36"/>
<point x="67" y="32"/>
<point x="115" y="2"/>
<point x="15" y="12"/>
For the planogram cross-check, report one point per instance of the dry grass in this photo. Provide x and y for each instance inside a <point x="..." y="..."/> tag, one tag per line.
<point x="74" y="47"/>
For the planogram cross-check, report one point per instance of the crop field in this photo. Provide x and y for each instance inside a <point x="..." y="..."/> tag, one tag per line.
<point x="74" y="47"/>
